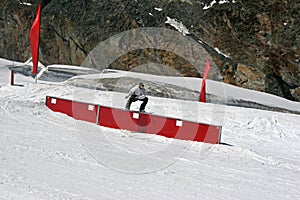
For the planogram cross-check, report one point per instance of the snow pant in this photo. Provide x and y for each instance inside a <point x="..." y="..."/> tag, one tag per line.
<point x="134" y="98"/>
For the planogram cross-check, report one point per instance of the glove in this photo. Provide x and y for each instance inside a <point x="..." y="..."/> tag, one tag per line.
<point x="126" y="97"/>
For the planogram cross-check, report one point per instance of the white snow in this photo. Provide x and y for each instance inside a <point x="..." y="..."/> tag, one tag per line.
<point x="177" y="25"/>
<point x="220" y="52"/>
<point x="214" y="2"/>
<point x="158" y="9"/>
<point x="48" y="155"/>
<point x="24" y="3"/>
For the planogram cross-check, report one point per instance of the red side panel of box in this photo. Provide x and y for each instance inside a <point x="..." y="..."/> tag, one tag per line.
<point x="135" y="121"/>
<point x="77" y="110"/>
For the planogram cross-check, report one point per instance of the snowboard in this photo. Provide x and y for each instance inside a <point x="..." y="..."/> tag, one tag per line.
<point x="137" y="111"/>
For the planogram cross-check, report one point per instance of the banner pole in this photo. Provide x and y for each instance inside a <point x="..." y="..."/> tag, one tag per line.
<point x="12" y="77"/>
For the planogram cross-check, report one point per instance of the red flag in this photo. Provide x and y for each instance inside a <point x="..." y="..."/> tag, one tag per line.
<point x="35" y="39"/>
<point x="202" y="97"/>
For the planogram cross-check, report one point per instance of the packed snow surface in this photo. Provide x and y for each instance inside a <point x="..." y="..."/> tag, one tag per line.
<point x="48" y="155"/>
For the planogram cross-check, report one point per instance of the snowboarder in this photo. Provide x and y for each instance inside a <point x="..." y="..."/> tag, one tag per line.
<point x="137" y="93"/>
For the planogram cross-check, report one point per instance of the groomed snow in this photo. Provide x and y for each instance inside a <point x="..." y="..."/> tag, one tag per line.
<point x="47" y="155"/>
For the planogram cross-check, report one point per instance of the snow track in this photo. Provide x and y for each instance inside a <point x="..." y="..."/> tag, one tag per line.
<point x="47" y="155"/>
<point x="54" y="150"/>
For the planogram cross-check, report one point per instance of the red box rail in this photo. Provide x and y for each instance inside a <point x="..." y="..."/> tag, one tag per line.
<point x="77" y="110"/>
<point x="135" y="121"/>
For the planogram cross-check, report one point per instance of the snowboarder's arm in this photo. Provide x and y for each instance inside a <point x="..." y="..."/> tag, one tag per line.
<point x="130" y="93"/>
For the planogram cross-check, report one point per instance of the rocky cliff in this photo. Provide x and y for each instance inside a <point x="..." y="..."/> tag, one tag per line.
<point x="254" y="44"/>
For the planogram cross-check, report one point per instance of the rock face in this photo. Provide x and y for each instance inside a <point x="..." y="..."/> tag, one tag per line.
<point x="259" y="40"/>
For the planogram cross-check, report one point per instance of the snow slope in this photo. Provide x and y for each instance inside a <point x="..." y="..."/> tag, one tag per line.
<point x="47" y="155"/>
<point x="227" y="93"/>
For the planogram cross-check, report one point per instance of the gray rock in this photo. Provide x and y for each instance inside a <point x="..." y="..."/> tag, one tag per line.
<point x="262" y="36"/>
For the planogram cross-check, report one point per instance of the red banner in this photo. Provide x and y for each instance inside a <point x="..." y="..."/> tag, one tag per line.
<point x="202" y="97"/>
<point x="35" y="39"/>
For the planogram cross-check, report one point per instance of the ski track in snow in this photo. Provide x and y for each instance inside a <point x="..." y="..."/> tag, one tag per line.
<point x="47" y="155"/>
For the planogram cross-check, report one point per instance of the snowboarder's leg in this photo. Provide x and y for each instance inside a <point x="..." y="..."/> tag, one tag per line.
<point x="143" y="105"/>
<point x="130" y="100"/>
<point x="128" y="104"/>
